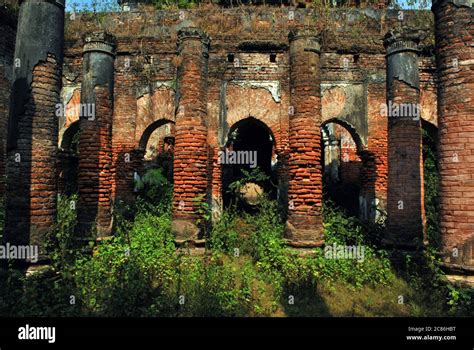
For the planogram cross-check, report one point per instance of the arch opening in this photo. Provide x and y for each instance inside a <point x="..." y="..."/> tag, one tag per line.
<point x="157" y="147"/>
<point x="342" y="165"/>
<point x="248" y="164"/>
<point x="68" y="157"/>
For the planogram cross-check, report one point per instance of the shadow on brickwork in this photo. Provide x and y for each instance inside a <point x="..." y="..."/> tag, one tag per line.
<point x="18" y="167"/>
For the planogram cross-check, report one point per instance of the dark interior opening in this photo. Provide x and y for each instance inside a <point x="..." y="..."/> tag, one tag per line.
<point x="249" y="135"/>
<point x="69" y="160"/>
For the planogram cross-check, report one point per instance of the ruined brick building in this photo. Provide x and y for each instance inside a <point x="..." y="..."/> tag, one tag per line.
<point x="304" y="88"/>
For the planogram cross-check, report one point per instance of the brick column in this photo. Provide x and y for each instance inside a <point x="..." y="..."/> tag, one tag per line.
<point x="190" y="154"/>
<point x="454" y="33"/>
<point x="95" y="138"/>
<point x="304" y="225"/>
<point x="405" y="202"/>
<point x="33" y="125"/>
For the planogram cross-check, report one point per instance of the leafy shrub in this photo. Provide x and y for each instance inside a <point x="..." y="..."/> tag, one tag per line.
<point x="373" y="269"/>
<point x="278" y="265"/>
<point x="460" y="301"/>
<point x="219" y="286"/>
<point x="256" y="176"/>
<point x="154" y="189"/>
<point x="224" y="237"/>
<point x="266" y="243"/>
<point x="249" y="270"/>
<point x="339" y="228"/>
<point x="203" y="211"/>
<point x="60" y="245"/>
<point x="431" y="182"/>
<point x="123" y="275"/>
<point x="168" y="4"/>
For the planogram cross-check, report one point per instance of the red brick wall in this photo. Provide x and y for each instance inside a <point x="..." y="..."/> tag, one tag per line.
<point x="350" y="165"/>
<point x="123" y="129"/>
<point x="374" y="172"/>
<point x="366" y="60"/>
<point x="214" y="170"/>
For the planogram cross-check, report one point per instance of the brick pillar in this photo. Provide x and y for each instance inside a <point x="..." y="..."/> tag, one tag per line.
<point x="454" y="33"/>
<point x="33" y="125"/>
<point x="405" y="202"/>
<point x="95" y="138"/>
<point x="304" y="225"/>
<point x="190" y="154"/>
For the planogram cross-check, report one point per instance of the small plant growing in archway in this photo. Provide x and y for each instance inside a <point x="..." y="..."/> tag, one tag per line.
<point x="203" y="212"/>
<point x="255" y="176"/>
<point x="155" y="189"/>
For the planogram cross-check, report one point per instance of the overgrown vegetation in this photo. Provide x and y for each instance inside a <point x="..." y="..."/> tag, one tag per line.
<point x="431" y="182"/>
<point x="247" y="270"/>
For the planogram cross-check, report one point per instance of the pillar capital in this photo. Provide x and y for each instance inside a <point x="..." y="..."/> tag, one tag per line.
<point x="100" y="42"/>
<point x="407" y="39"/>
<point x="402" y="55"/>
<point x="310" y="36"/>
<point x="60" y="3"/>
<point x="193" y="33"/>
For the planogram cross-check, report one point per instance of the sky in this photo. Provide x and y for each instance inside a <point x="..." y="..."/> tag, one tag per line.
<point x="80" y="4"/>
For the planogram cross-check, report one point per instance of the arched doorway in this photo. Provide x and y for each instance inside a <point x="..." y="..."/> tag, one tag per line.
<point x="249" y="149"/>
<point x="342" y="164"/>
<point x="68" y="158"/>
<point x="157" y="147"/>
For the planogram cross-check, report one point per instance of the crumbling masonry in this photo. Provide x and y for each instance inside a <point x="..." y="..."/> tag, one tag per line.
<point x="311" y="93"/>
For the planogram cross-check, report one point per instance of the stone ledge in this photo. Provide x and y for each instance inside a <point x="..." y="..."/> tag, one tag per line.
<point x="192" y="243"/>
<point x="458" y="268"/>
<point x="461" y="280"/>
<point x="305" y="243"/>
